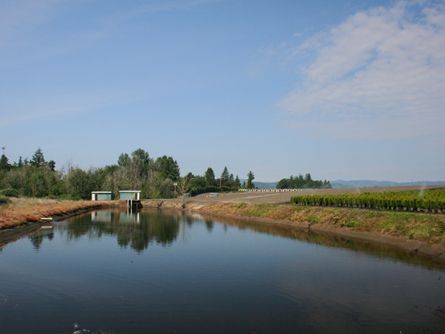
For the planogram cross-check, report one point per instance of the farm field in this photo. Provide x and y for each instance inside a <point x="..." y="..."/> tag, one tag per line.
<point x="286" y="196"/>
<point x="429" y="200"/>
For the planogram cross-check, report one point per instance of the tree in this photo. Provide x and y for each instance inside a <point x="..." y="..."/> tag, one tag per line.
<point x="38" y="160"/>
<point x="237" y="182"/>
<point x="124" y="160"/>
<point x="168" y="167"/>
<point x="52" y="165"/>
<point x="250" y="178"/>
<point x="197" y="185"/>
<point x="78" y="183"/>
<point x="224" y="177"/>
<point x="4" y="163"/>
<point x="294" y="182"/>
<point x="225" y="174"/>
<point x="210" y="177"/>
<point x="140" y="163"/>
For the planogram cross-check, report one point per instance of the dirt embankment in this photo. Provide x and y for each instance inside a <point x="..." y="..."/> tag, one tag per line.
<point x="419" y="233"/>
<point x="26" y="210"/>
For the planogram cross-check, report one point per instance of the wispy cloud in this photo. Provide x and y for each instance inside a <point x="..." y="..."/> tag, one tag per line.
<point x="381" y="73"/>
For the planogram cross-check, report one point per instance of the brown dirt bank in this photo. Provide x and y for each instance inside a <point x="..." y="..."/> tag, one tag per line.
<point x="26" y="210"/>
<point x="417" y="233"/>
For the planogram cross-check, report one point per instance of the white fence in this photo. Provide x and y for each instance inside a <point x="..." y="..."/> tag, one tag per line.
<point x="268" y="190"/>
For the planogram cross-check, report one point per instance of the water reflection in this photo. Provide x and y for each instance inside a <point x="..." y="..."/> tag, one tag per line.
<point x="132" y="229"/>
<point x="324" y="239"/>
<point x="45" y="232"/>
<point x="138" y="230"/>
<point x="217" y="276"/>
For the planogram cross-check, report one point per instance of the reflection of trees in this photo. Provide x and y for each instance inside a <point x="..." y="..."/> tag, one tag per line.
<point x="136" y="230"/>
<point x="330" y="240"/>
<point x="38" y="237"/>
<point x="209" y="224"/>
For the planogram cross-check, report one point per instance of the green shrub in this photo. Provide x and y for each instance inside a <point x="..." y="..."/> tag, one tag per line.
<point x="3" y="200"/>
<point x="9" y="192"/>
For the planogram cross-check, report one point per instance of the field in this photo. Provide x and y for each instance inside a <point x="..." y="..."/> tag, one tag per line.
<point x="285" y="197"/>
<point x="430" y="200"/>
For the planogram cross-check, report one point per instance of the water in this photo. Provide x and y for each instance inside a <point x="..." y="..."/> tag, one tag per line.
<point x="161" y="272"/>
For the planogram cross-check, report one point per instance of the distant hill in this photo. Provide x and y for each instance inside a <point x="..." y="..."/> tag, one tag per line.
<point x="359" y="184"/>
<point x="372" y="183"/>
<point x="265" y="185"/>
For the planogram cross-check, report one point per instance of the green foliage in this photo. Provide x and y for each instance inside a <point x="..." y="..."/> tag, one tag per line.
<point x="159" y="178"/>
<point x="312" y="219"/>
<point x="210" y="177"/>
<point x="3" y="200"/>
<point x="9" y="192"/>
<point x="38" y="159"/>
<point x="79" y="183"/>
<point x="225" y="175"/>
<point x="300" y="181"/>
<point x="4" y="163"/>
<point x="250" y="178"/>
<point x="168" y="168"/>
<point x="427" y="201"/>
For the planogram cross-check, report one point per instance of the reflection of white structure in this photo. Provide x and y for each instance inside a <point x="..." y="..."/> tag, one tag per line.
<point x="129" y="217"/>
<point x="101" y="216"/>
<point x="124" y="217"/>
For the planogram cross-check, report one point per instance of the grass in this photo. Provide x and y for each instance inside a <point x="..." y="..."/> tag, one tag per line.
<point x="23" y="210"/>
<point x="418" y="226"/>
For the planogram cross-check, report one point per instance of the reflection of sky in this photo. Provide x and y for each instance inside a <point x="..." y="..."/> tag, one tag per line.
<point x="212" y="276"/>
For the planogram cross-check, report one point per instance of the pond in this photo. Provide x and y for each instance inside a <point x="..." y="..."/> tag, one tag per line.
<point x="168" y="272"/>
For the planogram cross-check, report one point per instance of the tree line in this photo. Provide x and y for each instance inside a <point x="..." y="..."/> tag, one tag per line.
<point x="155" y="177"/>
<point x="300" y="181"/>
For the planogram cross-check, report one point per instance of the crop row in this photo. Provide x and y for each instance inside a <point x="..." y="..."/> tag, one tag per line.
<point x="398" y="201"/>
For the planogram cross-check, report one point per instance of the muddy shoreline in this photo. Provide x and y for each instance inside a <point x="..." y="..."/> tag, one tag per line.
<point x="415" y="247"/>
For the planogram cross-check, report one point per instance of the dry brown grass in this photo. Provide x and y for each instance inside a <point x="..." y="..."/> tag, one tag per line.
<point x="24" y="210"/>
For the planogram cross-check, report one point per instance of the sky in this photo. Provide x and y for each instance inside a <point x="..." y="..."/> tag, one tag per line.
<point x="341" y="89"/>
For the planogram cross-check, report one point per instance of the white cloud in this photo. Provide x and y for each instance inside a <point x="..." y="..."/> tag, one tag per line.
<point x="379" y="73"/>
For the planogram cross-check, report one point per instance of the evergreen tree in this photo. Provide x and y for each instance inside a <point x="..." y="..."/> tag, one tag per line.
<point x="237" y="182"/>
<point x="224" y="176"/>
<point x="52" y="165"/>
<point x="38" y="160"/>
<point x="4" y="163"/>
<point x="250" y="178"/>
<point x="210" y="177"/>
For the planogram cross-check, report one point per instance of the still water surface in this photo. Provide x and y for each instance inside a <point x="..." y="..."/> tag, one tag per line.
<point x="161" y="272"/>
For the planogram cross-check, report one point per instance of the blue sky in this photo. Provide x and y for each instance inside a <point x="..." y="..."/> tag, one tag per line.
<point x="341" y="89"/>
